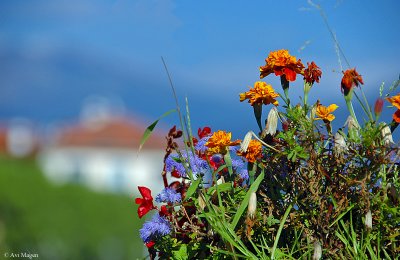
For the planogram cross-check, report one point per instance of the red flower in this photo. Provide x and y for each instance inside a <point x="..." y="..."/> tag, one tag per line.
<point x="150" y="244"/>
<point x="350" y="79"/>
<point x="146" y="202"/>
<point x="204" y="132"/>
<point x="164" y="211"/>
<point x="312" y="73"/>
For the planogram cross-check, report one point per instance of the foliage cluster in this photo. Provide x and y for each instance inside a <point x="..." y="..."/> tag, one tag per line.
<point x="309" y="192"/>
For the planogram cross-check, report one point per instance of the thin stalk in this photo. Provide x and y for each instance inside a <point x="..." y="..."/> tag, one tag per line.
<point x="280" y="230"/>
<point x="175" y="97"/>
<point x="351" y="109"/>
<point x="367" y="109"/>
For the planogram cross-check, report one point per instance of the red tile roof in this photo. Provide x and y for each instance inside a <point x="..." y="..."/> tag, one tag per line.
<point x="114" y="132"/>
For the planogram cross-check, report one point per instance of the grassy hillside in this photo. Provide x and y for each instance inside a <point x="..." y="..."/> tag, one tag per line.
<point x="63" y="222"/>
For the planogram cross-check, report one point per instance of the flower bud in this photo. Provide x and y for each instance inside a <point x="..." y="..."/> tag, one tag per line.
<point x="272" y="123"/>
<point x="387" y="136"/>
<point x="317" y="251"/>
<point x="285" y="125"/>
<point x="353" y="128"/>
<point x="340" y="144"/>
<point x="368" y="220"/>
<point x="251" y="208"/>
<point x="246" y="141"/>
<point x="378" y="106"/>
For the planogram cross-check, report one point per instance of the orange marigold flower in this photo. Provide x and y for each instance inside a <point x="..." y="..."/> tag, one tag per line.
<point x="253" y="151"/>
<point x="219" y="142"/>
<point x="395" y="101"/>
<point x="262" y="93"/>
<point x="350" y="79"/>
<point x="312" y="73"/>
<point x="282" y="63"/>
<point x="324" y="112"/>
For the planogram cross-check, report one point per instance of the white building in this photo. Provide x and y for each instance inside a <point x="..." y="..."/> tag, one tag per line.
<point x="103" y="154"/>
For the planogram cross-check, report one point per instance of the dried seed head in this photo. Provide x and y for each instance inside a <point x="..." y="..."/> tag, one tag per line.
<point x="353" y="128"/>
<point x="202" y="202"/>
<point x="313" y="112"/>
<point x="252" y="207"/>
<point x="221" y="180"/>
<point x="340" y="144"/>
<point x="387" y="136"/>
<point x="317" y="251"/>
<point x="351" y="123"/>
<point x="368" y="220"/>
<point x="272" y="123"/>
<point x="246" y="141"/>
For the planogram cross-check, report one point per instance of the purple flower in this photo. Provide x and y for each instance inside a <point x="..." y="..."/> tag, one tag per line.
<point x="157" y="227"/>
<point x="172" y="163"/>
<point x="196" y="164"/>
<point x="236" y="164"/>
<point x="201" y="144"/>
<point x="168" y="195"/>
<point x="244" y="174"/>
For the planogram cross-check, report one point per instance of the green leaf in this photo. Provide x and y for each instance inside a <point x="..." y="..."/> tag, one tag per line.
<point x="257" y="113"/>
<point x="181" y="253"/>
<point x="192" y="189"/>
<point x="221" y="188"/>
<point x="150" y="129"/>
<point x="245" y="202"/>
<point x="228" y="162"/>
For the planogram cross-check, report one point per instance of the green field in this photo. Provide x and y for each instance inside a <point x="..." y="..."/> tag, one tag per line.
<point x="63" y="222"/>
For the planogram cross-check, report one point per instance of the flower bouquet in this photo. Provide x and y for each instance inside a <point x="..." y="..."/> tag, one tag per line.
<point x="294" y="190"/>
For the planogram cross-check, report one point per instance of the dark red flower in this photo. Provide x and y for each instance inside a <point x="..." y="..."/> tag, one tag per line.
<point x="312" y="73"/>
<point x="146" y="202"/>
<point x="204" y="132"/>
<point x="350" y="79"/>
<point x="164" y="211"/>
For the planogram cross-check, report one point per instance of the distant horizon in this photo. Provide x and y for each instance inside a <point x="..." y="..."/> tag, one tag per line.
<point x="54" y="55"/>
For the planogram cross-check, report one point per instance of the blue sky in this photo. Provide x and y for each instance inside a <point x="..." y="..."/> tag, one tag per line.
<point x="54" y="55"/>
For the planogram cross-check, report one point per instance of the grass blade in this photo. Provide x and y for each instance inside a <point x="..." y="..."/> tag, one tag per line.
<point x="147" y="133"/>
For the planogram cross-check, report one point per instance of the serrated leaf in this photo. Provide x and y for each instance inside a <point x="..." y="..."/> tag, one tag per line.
<point x="149" y="129"/>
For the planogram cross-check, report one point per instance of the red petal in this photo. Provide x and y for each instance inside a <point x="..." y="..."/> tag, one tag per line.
<point x="150" y="244"/>
<point x="290" y="74"/>
<point x="144" y="208"/>
<point x="138" y="200"/>
<point x="202" y="133"/>
<point x="146" y="193"/>
<point x="175" y="174"/>
<point x="164" y="211"/>
<point x="396" y="116"/>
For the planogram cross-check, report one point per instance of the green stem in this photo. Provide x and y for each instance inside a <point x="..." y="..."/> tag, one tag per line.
<point x="283" y="220"/>
<point x="285" y="86"/>
<point x="348" y="95"/>
<point x="351" y="110"/>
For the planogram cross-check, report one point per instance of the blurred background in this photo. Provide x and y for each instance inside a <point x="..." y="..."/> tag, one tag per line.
<point x="80" y="80"/>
